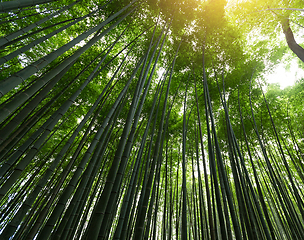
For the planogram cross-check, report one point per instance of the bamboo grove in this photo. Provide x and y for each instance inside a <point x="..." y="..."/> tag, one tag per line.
<point x="143" y="120"/>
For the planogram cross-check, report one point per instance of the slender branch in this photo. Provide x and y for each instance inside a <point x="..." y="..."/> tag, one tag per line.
<point x="290" y="9"/>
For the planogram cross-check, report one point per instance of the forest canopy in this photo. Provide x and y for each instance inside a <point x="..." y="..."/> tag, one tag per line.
<point x="150" y="119"/>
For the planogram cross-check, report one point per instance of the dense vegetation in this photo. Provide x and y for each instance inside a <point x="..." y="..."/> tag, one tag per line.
<point x="149" y="119"/>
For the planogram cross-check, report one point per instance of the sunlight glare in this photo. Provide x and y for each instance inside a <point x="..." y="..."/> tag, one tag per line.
<point x="285" y="77"/>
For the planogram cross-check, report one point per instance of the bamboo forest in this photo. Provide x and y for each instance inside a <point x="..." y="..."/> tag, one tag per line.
<point x="151" y="119"/>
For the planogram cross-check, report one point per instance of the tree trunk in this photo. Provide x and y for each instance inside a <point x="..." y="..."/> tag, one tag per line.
<point x="292" y="44"/>
<point x="11" y="5"/>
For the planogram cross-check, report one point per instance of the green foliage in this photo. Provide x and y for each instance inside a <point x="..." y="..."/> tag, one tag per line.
<point x="75" y="163"/>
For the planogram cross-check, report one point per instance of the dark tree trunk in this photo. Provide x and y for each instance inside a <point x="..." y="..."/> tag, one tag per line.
<point x="292" y="44"/>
